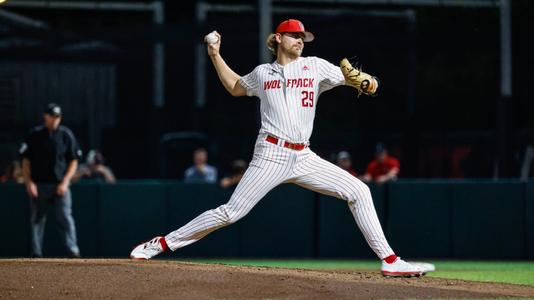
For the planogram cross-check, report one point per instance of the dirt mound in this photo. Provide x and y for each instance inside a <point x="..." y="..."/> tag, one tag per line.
<point x="114" y="278"/>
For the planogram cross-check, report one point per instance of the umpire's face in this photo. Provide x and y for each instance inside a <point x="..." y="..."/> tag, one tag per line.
<point x="51" y="122"/>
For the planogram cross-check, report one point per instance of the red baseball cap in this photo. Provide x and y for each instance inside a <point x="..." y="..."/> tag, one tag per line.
<point x="293" y="25"/>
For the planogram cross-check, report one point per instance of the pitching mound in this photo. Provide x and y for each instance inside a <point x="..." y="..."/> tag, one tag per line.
<point x="125" y="279"/>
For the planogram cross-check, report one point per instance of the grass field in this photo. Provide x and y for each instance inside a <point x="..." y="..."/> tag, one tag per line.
<point x="515" y="272"/>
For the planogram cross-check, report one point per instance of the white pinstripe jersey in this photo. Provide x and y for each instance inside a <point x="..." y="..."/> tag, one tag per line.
<point x="289" y="94"/>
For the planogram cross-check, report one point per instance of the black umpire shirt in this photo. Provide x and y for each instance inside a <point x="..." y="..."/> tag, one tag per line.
<point x="49" y="153"/>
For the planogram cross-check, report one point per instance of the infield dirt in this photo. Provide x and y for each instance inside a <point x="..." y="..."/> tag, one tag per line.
<point x="157" y="279"/>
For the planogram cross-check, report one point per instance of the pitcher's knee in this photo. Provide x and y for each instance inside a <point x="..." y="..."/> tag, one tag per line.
<point x="360" y="192"/>
<point x="227" y="214"/>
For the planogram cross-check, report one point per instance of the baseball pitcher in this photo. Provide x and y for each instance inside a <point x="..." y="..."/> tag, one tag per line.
<point x="288" y="89"/>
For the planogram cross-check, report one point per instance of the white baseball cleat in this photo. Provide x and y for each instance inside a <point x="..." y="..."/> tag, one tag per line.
<point x="427" y="267"/>
<point x="147" y="250"/>
<point x="400" y="268"/>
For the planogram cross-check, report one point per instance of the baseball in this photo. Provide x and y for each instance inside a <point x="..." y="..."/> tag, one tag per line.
<point x="212" y="38"/>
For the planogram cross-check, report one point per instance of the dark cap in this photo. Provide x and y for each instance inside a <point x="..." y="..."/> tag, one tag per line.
<point x="53" y="109"/>
<point x="380" y="148"/>
<point x="343" y="155"/>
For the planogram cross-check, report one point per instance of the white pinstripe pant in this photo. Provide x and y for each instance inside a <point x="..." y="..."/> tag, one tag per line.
<point x="273" y="165"/>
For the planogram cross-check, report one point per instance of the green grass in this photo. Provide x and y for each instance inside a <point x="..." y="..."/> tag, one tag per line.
<point x="492" y="271"/>
<point x="506" y="272"/>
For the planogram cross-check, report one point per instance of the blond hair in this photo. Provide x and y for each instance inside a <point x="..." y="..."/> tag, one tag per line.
<point x="272" y="44"/>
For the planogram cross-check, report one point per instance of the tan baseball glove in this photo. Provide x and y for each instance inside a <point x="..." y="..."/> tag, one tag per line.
<point x="363" y="82"/>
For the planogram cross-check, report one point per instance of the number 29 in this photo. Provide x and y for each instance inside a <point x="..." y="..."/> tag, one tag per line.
<point x="307" y="98"/>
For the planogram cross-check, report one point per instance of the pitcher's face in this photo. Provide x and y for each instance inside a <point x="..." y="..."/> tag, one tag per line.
<point x="292" y="43"/>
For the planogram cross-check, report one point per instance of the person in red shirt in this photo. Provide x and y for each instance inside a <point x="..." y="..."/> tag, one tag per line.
<point x="383" y="168"/>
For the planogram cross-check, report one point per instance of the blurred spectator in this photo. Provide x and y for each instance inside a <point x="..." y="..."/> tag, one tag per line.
<point x="50" y="156"/>
<point x="459" y="154"/>
<point x="13" y="173"/>
<point x="201" y="171"/>
<point x="238" y="170"/>
<point x="344" y="161"/>
<point x="383" y="168"/>
<point x="528" y="161"/>
<point x="94" y="169"/>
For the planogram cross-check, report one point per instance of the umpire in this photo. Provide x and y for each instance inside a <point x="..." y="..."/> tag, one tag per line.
<point x="50" y="156"/>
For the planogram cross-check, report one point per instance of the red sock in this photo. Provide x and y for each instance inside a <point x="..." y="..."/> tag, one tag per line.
<point x="163" y="243"/>
<point x="390" y="259"/>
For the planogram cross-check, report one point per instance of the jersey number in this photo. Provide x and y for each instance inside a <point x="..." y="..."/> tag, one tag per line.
<point x="307" y="98"/>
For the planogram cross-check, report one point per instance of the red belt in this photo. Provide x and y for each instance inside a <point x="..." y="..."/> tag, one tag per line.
<point x="271" y="139"/>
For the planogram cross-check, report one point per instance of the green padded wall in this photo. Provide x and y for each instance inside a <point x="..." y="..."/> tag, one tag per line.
<point x="187" y="201"/>
<point x="488" y="220"/>
<point x="419" y="219"/>
<point x="529" y="220"/>
<point x="130" y="213"/>
<point x="14" y="220"/>
<point x="281" y="224"/>
<point x="482" y="219"/>
<point x="86" y="212"/>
